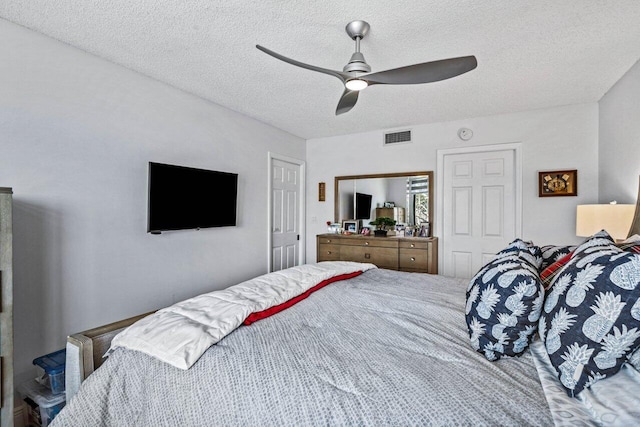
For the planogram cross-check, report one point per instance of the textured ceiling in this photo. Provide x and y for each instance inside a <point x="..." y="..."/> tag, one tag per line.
<point x="531" y="54"/>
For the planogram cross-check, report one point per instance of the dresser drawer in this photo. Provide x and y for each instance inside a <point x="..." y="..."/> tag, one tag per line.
<point x="374" y="242"/>
<point x="330" y="240"/>
<point x="413" y="259"/>
<point x="328" y="252"/>
<point x="413" y="244"/>
<point x="382" y="257"/>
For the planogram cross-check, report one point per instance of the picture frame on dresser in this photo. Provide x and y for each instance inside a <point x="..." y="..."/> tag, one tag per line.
<point x="351" y="226"/>
<point x="424" y="230"/>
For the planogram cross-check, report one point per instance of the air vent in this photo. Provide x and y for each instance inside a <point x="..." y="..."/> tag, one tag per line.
<point x="401" y="137"/>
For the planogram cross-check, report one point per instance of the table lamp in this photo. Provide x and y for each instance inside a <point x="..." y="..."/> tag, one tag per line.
<point x="614" y="218"/>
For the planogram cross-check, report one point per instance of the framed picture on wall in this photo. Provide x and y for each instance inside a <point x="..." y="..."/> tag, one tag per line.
<point x="558" y="183"/>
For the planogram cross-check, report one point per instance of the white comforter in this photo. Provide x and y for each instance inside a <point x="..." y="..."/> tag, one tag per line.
<point x="180" y="334"/>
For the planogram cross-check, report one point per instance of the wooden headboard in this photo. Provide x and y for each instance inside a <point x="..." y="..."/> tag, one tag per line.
<point x="635" y="224"/>
<point x="85" y="351"/>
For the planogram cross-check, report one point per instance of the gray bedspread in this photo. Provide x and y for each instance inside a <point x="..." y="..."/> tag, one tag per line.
<point x="384" y="348"/>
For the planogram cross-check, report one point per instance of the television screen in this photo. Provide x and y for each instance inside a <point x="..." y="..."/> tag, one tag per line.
<point x="363" y="206"/>
<point x="185" y="198"/>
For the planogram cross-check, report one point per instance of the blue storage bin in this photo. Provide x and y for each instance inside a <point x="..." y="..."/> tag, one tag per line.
<point x="51" y="369"/>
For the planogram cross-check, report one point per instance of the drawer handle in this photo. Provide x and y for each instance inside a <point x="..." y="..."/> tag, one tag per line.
<point x="413" y="246"/>
<point x="328" y="252"/>
<point x="366" y="243"/>
<point x="413" y="259"/>
<point x="328" y="240"/>
<point x="367" y="256"/>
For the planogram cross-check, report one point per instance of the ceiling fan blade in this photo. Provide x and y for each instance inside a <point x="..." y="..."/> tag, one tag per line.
<point x="342" y="76"/>
<point x="347" y="101"/>
<point x="426" y="72"/>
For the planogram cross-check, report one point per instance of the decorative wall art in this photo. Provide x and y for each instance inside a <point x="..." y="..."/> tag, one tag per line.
<point x="558" y="183"/>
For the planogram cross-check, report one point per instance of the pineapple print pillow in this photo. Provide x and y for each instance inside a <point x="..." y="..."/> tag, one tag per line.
<point x="590" y="323"/>
<point x="504" y="301"/>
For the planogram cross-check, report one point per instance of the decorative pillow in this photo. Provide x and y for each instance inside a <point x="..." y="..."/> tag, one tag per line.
<point x="504" y="301"/>
<point x="591" y="317"/>
<point x="549" y="273"/>
<point x="552" y="254"/>
<point x="633" y="246"/>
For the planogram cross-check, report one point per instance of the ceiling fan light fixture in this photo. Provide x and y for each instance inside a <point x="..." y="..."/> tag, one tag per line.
<point x="356" y="84"/>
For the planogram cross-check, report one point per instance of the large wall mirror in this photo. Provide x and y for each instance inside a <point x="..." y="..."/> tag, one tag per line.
<point x="360" y="196"/>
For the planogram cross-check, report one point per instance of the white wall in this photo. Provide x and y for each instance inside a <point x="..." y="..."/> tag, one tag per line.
<point x="556" y="138"/>
<point x="620" y="139"/>
<point x="76" y="133"/>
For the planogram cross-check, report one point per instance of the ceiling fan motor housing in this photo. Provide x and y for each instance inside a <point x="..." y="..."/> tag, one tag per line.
<point x="357" y="64"/>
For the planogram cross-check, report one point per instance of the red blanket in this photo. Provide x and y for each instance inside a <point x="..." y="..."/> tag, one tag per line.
<point x="259" y="315"/>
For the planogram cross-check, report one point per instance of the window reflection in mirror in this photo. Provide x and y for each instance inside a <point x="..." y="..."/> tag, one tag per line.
<point x="410" y="192"/>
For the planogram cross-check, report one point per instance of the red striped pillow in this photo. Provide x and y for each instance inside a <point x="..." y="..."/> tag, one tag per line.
<point x="630" y="246"/>
<point x="549" y="273"/>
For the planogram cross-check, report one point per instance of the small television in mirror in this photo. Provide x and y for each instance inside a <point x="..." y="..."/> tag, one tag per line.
<point x="363" y="206"/>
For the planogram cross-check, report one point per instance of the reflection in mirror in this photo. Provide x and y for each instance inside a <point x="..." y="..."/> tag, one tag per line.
<point x="363" y="196"/>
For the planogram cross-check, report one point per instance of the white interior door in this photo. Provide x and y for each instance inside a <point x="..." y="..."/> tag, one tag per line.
<point x="286" y="200"/>
<point x="479" y="208"/>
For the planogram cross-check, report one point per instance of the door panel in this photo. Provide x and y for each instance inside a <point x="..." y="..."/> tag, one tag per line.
<point x="493" y="209"/>
<point x="462" y="263"/>
<point x="462" y="205"/>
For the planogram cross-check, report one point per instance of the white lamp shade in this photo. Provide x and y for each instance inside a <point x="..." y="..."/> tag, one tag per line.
<point x="615" y="219"/>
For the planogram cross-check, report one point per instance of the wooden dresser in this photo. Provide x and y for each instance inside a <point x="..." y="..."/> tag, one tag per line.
<point x="417" y="254"/>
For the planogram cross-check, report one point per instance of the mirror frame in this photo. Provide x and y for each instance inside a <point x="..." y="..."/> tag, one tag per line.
<point x="336" y="195"/>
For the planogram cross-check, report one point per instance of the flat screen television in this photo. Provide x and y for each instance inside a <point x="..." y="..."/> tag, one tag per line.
<point x="183" y="198"/>
<point x="363" y="206"/>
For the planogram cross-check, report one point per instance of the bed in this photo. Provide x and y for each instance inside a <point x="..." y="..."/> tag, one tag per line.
<point x="381" y="348"/>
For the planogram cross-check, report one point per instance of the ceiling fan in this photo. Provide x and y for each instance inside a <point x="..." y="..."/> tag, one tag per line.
<point x="356" y="75"/>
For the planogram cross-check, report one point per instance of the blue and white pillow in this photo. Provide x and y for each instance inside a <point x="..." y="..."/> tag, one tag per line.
<point x="504" y="301"/>
<point x="590" y="323"/>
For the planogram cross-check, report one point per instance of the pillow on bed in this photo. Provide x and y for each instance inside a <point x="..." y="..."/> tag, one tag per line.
<point x="504" y="300"/>
<point x="549" y="274"/>
<point x="552" y="254"/>
<point x="630" y="246"/>
<point x="591" y="317"/>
